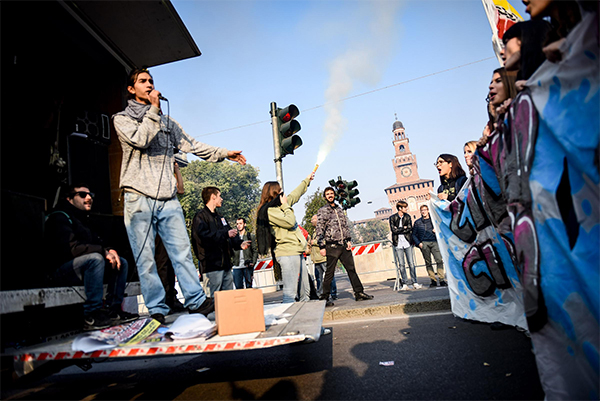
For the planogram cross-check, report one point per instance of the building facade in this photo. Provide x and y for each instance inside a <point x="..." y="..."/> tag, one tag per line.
<point x="408" y="187"/>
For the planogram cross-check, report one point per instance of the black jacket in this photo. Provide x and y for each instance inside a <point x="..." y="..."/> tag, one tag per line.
<point x="422" y="231"/>
<point x="68" y="235"/>
<point x="452" y="186"/>
<point x="250" y="254"/>
<point x="211" y="242"/>
<point x="404" y="228"/>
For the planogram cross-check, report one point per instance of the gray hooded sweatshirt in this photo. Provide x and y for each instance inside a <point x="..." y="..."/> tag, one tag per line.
<point x="145" y="137"/>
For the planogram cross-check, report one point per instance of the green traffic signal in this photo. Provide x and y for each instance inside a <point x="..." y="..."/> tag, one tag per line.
<point x="353" y="202"/>
<point x="287" y="128"/>
<point x="351" y="199"/>
<point x="345" y="193"/>
<point x="352" y="192"/>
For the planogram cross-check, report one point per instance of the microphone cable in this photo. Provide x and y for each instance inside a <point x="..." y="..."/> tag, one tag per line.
<point x="162" y="170"/>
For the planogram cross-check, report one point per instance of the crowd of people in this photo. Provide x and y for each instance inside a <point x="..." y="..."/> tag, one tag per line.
<point x="537" y="161"/>
<point x="535" y="171"/>
<point x="150" y="180"/>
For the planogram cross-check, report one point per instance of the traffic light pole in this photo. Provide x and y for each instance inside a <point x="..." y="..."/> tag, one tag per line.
<point x="276" y="144"/>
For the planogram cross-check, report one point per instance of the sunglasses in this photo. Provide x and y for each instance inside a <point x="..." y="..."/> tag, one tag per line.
<point x="83" y="194"/>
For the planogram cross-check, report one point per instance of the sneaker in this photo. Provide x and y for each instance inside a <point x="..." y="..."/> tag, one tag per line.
<point x="443" y="283"/>
<point x="329" y="303"/>
<point x="120" y="316"/>
<point x="417" y="286"/>
<point x="159" y="317"/>
<point x="96" y="320"/>
<point x="334" y="297"/>
<point x="433" y="284"/>
<point x="361" y="296"/>
<point x="404" y="288"/>
<point x="175" y="305"/>
<point x="206" y="308"/>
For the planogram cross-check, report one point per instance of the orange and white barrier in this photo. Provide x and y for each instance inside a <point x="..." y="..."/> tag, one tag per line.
<point x="366" y="249"/>
<point x="167" y="348"/>
<point x="264" y="277"/>
<point x="263" y="265"/>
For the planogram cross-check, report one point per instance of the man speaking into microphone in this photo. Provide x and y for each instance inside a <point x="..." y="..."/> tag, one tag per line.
<point x="151" y="206"/>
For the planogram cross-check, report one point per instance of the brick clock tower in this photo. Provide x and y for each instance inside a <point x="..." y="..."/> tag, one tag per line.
<point x="408" y="187"/>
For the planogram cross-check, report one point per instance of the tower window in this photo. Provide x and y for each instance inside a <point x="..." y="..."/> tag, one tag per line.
<point x="401" y="148"/>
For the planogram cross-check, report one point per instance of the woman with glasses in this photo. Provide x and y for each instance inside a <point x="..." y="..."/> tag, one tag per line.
<point x="452" y="176"/>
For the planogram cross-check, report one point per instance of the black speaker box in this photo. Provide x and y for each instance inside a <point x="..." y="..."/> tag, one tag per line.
<point x="88" y="163"/>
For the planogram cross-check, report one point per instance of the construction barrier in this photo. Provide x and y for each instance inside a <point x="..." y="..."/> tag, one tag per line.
<point x="264" y="276"/>
<point x="376" y="262"/>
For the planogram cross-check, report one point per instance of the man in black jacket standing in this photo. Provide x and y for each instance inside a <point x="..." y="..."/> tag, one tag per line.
<point x="243" y="261"/>
<point x="213" y="240"/>
<point x="78" y="256"/>
<point x="401" y="227"/>
<point x="333" y="237"/>
<point x="424" y="237"/>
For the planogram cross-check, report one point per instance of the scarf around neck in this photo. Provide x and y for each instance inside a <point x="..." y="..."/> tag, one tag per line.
<point x="135" y="110"/>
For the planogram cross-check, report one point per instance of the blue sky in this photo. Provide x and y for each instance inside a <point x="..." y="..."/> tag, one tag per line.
<point x="257" y="52"/>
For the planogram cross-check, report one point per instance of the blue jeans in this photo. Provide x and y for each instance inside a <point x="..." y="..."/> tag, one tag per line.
<point x="219" y="280"/>
<point x="400" y="252"/>
<point x="242" y="275"/>
<point x="169" y="222"/>
<point x="91" y="270"/>
<point x="320" y="269"/>
<point x="295" y="278"/>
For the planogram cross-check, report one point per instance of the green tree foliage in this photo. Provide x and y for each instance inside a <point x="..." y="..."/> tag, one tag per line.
<point x="312" y="206"/>
<point x="374" y="230"/>
<point x="239" y="185"/>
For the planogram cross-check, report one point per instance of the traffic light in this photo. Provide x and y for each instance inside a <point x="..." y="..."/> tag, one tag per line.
<point x="341" y="187"/>
<point x="287" y="128"/>
<point x="353" y="200"/>
<point x="345" y="193"/>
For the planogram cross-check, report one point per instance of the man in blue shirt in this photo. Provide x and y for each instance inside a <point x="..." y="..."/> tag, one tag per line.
<point x="423" y="235"/>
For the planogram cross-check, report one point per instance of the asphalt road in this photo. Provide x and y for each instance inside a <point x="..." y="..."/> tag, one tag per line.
<point x="435" y="356"/>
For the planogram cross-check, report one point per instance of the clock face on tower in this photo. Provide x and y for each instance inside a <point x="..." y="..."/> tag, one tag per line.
<point x="406" y="171"/>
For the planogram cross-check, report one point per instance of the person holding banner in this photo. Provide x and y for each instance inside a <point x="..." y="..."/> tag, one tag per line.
<point x="546" y="160"/>
<point x="469" y="150"/>
<point x="452" y="176"/>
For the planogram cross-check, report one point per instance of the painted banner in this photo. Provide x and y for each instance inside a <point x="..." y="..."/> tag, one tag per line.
<point x="483" y="282"/>
<point x="564" y="182"/>
<point x="501" y="16"/>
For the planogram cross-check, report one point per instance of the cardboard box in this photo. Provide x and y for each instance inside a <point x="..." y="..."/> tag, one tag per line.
<point x="239" y="311"/>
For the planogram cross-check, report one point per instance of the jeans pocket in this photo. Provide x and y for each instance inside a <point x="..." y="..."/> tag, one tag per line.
<point x="132" y="202"/>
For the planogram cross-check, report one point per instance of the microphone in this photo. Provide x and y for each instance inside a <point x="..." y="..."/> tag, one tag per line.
<point x="161" y="97"/>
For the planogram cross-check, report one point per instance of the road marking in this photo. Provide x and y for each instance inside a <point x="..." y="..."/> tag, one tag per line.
<point x="391" y="317"/>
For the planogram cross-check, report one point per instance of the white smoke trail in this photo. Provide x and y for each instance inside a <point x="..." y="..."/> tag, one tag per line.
<point x="364" y="62"/>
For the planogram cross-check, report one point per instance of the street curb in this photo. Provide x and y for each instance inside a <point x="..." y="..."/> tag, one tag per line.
<point x="386" y="310"/>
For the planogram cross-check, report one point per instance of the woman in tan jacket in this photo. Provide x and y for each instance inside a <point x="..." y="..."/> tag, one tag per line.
<point x="276" y="219"/>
